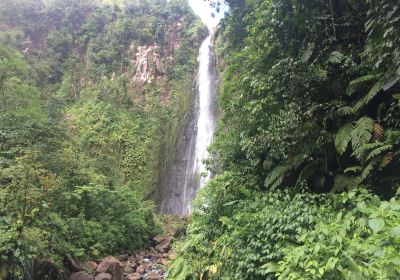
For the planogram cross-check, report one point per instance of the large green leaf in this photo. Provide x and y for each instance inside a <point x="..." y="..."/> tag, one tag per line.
<point x="376" y="224"/>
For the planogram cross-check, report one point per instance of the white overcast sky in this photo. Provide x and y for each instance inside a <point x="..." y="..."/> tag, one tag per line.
<point x="204" y="11"/>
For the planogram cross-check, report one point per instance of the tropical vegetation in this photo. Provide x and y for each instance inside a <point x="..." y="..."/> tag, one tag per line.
<point x="306" y="156"/>
<point x="81" y="142"/>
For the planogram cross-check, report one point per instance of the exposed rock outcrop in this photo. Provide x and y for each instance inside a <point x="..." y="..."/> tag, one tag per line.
<point x="147" y="63"/>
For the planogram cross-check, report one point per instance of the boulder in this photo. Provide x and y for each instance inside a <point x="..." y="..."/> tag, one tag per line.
<point x="141" y="269"/>
<point x="162" y="261"/>
<point x="139" y="258"/>
<point x="111" y="265"/>
<point x="134" y="276"/>
<point x="153" y="276"/>
<point x="90" y="265"/>
<point x="164" y="245"/>
<point x="123" y="257"/>
<point x="81" y="275"/>
<point x="129" y="269"/>
<point x="106" y="263"/>
<point x="103" y="276"/>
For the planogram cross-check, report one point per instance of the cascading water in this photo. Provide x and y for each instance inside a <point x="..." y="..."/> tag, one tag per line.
<point x="188" y="172"/>
<point x="205" y="119"/>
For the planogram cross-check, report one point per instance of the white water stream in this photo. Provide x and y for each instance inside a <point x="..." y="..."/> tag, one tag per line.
<point x="188" y="172"/>
<point x="205" y="122"/>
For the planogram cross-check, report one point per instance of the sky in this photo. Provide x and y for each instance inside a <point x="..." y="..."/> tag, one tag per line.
<point x="204" y="11"/>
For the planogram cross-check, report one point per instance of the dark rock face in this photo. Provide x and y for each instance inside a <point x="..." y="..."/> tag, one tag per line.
<point x="172" y="189"/>
<point x="45" y="268"/>
<point x="72" y="264"/>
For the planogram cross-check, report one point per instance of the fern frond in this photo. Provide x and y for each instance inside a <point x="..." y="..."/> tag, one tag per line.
<point x="345" y="111"/>
<point x="366" y="171"/>
<point x="379" y="151"/>
<point x="353" y="169"/>
<point x="343" y="138"/>
<point x="386" y="160"/>
<point x="368" y="97"/>
<point x="393" y="136"/>
<point x="343" y="182"/>
<point x="359" y="82"/>
<point x="276" y="176"/>
<point x="361" y="152"/>
<point x="378" y="130"/>
<point x="362" y="133"/>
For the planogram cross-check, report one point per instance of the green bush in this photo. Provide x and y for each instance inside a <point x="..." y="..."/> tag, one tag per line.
<point x="359" y="240"/>
<point x="290" y="236"/>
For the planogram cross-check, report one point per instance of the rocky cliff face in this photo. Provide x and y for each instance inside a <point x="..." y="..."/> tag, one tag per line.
<point x="147" y="63"/>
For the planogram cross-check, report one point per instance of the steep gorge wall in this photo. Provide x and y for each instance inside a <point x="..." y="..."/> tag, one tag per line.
<point x="130" y="66"/>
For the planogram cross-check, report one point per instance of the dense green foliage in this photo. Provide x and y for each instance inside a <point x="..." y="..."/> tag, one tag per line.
<point x="307" y="150"/>
<point x="80" y="138"/>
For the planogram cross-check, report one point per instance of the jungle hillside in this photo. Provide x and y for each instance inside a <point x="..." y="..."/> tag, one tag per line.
<point x="303" y="173"/>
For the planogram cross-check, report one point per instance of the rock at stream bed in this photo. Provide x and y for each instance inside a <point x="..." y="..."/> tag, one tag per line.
<point x="103" y="276"/>
<point x="81" y="275"/>
<point x="90" y="265"/>
<point x="141" y="269"/>
<point x="164" y="245"/>
<point x="111" y="265"/>
<point x="153" y="276"/>
<point x="134" y="276"/>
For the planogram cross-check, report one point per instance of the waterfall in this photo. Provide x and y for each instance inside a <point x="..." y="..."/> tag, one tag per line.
<point x="206" y="90"/>
<point x="187" y="173"/>
<point x="205" y="119"/>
